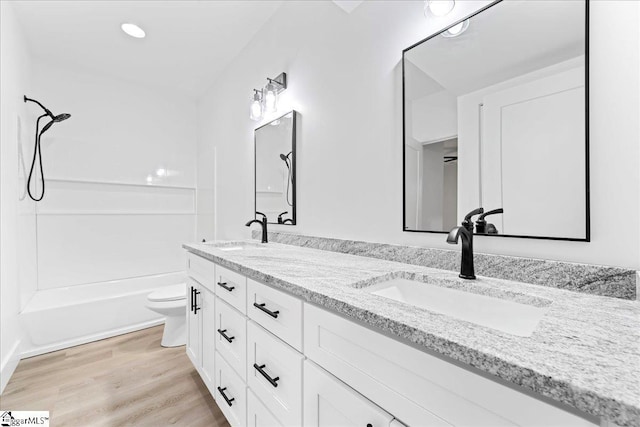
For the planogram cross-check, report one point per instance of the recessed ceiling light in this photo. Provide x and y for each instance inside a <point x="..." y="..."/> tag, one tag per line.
<point x="133" y="30"/>
<point x="439" y="7"/>
<point x="457" y="29"/>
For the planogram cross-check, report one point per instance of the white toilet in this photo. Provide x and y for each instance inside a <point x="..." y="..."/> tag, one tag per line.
<point x="171" y="302"/>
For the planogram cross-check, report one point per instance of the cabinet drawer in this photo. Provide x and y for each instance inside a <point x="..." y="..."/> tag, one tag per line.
<point x="415" y="386"/>
<point x="231" y="393"/>
<point x="329" y="402"/>
<point x="202" y="270"/>
<point x="279" y="313"/>
<point x="231" y="337"/>
<point x="258" y="415"/>
<point x="232" y="287"/>
<point x="274" y="373"/>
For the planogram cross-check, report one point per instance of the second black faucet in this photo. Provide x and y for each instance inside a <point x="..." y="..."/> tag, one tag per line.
<point x="263" y="223"/>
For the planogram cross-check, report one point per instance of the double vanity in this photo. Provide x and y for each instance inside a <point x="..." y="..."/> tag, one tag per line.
<point x="288" y="335"/>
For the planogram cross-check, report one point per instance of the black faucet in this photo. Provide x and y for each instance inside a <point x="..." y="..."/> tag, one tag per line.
<point x="465" y="232"/>
<point x="263" y="223"/>
<point x="280" y="221"/>
<point x="482" y="227"/>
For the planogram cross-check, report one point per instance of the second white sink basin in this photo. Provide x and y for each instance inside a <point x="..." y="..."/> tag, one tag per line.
<point x="502" y="314"/>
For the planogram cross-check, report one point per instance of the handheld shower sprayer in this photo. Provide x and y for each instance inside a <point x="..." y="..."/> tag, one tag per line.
<point x="37" y="153"/>
<point x="285" y="158"/>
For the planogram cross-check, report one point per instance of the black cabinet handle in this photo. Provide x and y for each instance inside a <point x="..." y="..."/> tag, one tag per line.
<point x="221" y="390"/>
<point x="262" y="307"/>
<point x="224" y="285"/>
<point x="195" y="301"/>
<point x="225" y="336"/>
<point x="192" y="298"/>
<point x="272" y="381"/>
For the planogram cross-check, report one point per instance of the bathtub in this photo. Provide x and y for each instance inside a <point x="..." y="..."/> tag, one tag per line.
<point x="59" y="318"/>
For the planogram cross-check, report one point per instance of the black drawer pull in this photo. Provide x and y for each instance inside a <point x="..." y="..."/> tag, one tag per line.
<point x="221" y="390"/>
<point x="225" y="336"/>
<point x="272" y="381"/>
<point x="262" y="307"/>
<point x="224" y="285"/>
<point x="195" y="301"/>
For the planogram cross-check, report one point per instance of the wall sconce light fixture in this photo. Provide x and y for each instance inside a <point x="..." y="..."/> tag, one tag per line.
<point x="266" y="100"/>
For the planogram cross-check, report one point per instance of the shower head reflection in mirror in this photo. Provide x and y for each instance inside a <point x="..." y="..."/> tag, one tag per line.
<point x="510" y="104"/>
<point x="275" y="169"/>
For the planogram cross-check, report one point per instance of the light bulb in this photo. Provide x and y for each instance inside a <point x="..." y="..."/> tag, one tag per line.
<point x="271" y="98"/>
<point x="439" y="7"/>
<point x="256" y="105"/>
<point x="256" y="110"/>
<point x="161" y="171"/>
<point x="457" y="29"/>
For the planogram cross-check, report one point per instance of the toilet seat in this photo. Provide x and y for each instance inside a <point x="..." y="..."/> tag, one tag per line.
<point x="169" y="293"/>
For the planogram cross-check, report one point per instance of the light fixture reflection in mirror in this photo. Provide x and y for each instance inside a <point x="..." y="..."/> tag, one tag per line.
<point x="457" y="29"/>
<point x="439" y="7"/>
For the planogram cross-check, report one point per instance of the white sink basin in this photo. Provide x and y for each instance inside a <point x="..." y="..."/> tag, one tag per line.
<point x="236" y="246"/>
<point x="502" y="314"/>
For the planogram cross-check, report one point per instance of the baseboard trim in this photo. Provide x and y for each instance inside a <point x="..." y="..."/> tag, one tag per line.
<point x="9" y="365"/>
<point x="90" y="338"/>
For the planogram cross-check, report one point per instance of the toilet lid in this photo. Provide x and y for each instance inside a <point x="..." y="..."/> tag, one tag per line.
<point x="169" y="293"/>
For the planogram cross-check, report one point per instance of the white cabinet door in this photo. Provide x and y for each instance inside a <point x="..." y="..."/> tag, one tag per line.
<point x="329" y="402"/>
<point x="274" y="374"/>
<point x="206" y="301"/>
<point x="194" y="321"/>
<point x="231" y="339"/>
<point x="258" y="415"/>
<point x="230" y="393"/>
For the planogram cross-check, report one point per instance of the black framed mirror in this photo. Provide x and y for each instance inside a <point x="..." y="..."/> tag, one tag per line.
<point x="275" y="169"/>
<point x="495" y="115"/>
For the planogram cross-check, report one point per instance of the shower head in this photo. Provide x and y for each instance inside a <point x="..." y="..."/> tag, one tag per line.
<point x="55" y="119"/>
<point x="283" y="157"/>
<point x="61" y="117"/>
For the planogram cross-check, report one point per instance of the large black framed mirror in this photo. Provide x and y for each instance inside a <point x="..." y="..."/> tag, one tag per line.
<point x="275" y="169"/>
<point x="495" y="115"/>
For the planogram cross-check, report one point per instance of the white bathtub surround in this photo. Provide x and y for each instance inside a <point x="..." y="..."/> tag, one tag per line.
<point x="566" y="359"/>
<point x="65" y="317"/>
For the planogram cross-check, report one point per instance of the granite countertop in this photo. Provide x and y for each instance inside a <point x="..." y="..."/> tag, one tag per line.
<point x="585" y="352"/>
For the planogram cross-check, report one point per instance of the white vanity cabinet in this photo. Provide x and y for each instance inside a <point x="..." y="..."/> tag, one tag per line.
<point x="271" y="360"/>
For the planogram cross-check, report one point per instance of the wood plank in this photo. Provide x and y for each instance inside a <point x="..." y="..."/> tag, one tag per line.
<point x="125" y="380"/>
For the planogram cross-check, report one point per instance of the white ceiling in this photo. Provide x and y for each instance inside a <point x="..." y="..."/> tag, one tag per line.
<point x="509" y="39"/>
<point x="188" y="42"/>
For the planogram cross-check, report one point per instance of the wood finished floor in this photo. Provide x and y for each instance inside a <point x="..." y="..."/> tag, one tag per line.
<point x="128" y="380"/>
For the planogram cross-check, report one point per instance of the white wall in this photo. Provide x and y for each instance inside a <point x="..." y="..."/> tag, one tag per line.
<point x="345" y="80"/>
<point x="17" y="245"/>
<point x="108" y="213"/>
